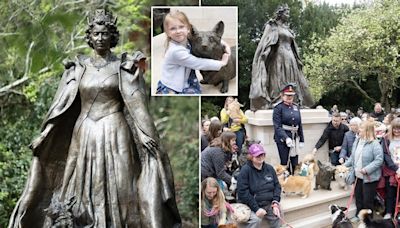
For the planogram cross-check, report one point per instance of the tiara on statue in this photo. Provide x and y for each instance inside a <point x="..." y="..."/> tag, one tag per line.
<point x="282" y="8"/>
<point x="102" y="16"/>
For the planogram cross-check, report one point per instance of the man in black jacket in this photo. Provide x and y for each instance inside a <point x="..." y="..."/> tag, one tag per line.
<point x="334" y="133"/>
<point x="378" y="113"/>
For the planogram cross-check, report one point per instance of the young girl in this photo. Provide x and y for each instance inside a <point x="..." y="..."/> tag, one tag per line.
<point x="177" y="74"/>
<point x="213" y="205"/>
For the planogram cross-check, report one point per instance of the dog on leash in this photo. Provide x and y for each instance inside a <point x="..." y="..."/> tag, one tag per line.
<point x="341" y="173"/>
<point x="338" y="217"/>
<point x="280" y="169"/>
<point x="207" y="44"/>
<point x="232" y="188"/>
<point x="365" y="216"/>
<point x="324" y="176"/>
<point x="297" y="184"/>
<point x="233" y="164"/>
<point x="310" y="158"/>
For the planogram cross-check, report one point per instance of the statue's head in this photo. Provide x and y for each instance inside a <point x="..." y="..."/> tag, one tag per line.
<point x="282" y="12"/>
<point x="102" y="30"/>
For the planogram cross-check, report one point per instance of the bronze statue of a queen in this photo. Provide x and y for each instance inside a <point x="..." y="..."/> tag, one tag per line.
<point x="98" y="161"/>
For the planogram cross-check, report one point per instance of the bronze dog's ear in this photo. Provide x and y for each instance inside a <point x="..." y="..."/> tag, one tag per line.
<point x="219" y="29"/>
<point x="194" y="30"/>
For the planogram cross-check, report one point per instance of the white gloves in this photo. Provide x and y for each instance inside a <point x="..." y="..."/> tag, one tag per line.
<point x="301" y="145"/>
<point x="289" y="142"/>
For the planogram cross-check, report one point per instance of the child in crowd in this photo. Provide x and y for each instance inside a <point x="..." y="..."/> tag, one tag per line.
<point x="213" y="206"/>
<point x="177" y="74"/>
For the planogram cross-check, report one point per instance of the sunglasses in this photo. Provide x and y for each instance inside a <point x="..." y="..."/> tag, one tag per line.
<point x="260" y="156"/>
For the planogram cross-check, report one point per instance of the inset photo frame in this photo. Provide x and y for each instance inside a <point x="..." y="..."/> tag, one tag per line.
<point x="194" y="51"/>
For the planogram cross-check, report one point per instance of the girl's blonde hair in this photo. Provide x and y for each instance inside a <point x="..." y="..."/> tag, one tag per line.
<point x="394" y="124"/>
<point x="218" y="201"/>
<point x="368" y="127"/>
<point x="176" y="14"/>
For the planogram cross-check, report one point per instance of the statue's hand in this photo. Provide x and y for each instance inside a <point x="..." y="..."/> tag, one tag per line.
<point x="150" y="144"/>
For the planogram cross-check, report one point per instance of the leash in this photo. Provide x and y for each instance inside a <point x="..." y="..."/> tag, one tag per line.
<point x="352" y="195"/>
<point x="281" y="219"/>
<point x="351" y="198"/>
<point x="284" y="222"/>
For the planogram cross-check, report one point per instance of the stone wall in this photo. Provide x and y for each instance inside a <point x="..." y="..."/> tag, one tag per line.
<point x="314" y="121"/>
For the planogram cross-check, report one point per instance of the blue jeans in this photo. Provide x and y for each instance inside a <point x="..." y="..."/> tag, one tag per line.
<point x="239" y="140"/>
<point x="334" y="157"/>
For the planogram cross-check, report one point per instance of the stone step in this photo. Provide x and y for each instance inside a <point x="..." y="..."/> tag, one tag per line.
<point x="319" y="220"/>
<point x="314" y="210"/>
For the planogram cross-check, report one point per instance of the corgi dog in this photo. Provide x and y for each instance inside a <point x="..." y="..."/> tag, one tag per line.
<point x="297" y="184"/>
<point x="310" y="158"/>
<point x="280" y="169"/>
<point x="341" y="173"/>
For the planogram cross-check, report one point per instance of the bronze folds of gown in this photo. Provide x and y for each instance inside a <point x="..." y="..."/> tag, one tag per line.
<point x="276" y="63"/>
<point x="90" y="167"/>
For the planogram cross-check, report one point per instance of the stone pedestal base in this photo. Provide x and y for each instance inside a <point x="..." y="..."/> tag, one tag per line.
<point x="260" y="127"/>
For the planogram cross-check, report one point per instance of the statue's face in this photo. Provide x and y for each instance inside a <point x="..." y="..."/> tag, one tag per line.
<point x="100" y="38"/>
<point x="285" y="15"/>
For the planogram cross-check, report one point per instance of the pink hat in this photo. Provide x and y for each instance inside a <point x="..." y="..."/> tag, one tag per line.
<point x="256" y="150"/>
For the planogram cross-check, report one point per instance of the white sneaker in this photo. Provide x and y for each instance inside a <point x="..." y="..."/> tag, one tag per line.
<point x="387" y="216"/>
<point x="355" y="219"/>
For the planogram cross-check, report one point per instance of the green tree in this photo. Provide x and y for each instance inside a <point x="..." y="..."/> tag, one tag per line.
<point x="363" y="47"/>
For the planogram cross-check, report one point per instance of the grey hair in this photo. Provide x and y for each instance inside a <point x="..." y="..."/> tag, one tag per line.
<point x="355" y="120"/>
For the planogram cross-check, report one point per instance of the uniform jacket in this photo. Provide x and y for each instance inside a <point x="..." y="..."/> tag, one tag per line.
<point x="286" y="115"/>
<point x="50" y="149"/>
<point x="333" y="135"/>
<point x="258" y="188"/>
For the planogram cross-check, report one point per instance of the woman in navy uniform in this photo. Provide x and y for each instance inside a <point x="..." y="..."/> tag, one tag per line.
<point x="287" y="127"/>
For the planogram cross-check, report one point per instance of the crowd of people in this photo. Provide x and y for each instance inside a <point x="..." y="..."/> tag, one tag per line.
<point x="368" y="143"/>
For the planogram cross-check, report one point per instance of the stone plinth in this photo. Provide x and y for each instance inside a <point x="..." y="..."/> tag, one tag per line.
<point x="314" y="121"/>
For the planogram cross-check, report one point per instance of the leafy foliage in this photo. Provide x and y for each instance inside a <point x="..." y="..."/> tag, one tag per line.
<point x="177" y="120"/>
<point x="363" y="47"/>
<point x="13" y="167"/>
